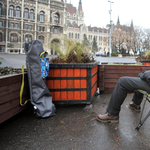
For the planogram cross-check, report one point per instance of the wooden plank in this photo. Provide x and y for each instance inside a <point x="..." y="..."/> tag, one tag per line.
<point x="130" y="67"/>
<point x="10" y="79"/>
<point x="107" y="91"/>
<point x="117" y="76"/>
<point x="101" y="77"/>
<point x="11" y="104"/>
<point x="101" y="88"/>
<point x="8" y="97"/>
<point x="110" y="71"/>
<point x="11" y="88"/>
<point x="111" y="80"/>
<point x="12" y="112"/>
<point x="110" y="85"/>
<point x="109" y="75"/>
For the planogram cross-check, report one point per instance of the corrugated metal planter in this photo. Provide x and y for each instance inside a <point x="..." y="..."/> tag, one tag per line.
<point x="10" y="95"/>
<point x="72" y="83"/>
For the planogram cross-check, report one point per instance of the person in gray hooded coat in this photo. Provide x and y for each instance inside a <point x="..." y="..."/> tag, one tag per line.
<point x="126" y="85"/>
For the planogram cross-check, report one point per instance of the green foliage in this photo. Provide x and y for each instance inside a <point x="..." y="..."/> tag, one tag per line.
<point x="114" y="53"/>
<point x="94" y="46"/>
<point x="9" y="70"/>
<point x="69" y="46"/>
<point x="0" y="62"/>
<point x="86" y="41"/>
<point x="148" y="53"/>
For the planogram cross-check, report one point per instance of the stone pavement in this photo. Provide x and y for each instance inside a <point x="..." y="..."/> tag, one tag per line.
<point x="75" y="128"/>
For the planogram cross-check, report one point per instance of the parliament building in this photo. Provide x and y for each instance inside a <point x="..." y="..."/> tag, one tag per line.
<point x="46" y="20"/>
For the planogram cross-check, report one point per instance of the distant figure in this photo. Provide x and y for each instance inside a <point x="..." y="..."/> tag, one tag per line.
<point x="19" y="51"/>
<point x="107" y="53"/>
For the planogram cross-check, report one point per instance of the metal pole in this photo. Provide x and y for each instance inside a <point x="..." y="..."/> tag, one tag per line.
<point x="110" y="30"/>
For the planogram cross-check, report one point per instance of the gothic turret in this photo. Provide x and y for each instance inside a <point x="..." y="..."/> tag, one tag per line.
<point x="80" y="6"/>
<point x="118" y="22"/>
<point x="131" y="23"/>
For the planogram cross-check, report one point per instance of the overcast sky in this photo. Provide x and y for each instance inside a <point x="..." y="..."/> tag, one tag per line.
<point x="96" y="12"/>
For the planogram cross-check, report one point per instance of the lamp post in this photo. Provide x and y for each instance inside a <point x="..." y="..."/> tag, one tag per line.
<point x="110" y="29"/>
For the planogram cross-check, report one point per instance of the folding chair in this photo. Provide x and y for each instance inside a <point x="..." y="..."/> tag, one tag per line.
<point x="142" y="120"/>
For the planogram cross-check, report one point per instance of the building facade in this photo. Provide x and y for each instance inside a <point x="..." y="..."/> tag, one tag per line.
<point x="46" y="20"/>
<point x="76" y="28"/>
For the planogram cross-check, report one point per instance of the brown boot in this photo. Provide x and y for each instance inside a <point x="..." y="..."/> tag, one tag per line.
<point x="134" y="107"/>
<point x="108" y="118"/>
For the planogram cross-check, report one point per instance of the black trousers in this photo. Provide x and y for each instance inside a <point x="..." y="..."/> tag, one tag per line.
<point x="126" y="85"/>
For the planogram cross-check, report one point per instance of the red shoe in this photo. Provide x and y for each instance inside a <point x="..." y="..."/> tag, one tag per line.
<point x="107" y="118"/>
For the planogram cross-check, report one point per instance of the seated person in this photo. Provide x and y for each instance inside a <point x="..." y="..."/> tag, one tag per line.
<point x="126" y="85"/>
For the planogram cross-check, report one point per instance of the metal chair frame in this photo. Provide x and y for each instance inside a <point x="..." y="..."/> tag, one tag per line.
<point x="142" y="120"/>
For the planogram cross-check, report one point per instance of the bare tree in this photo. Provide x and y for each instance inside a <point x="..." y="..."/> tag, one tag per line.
<point x="138" y="39"/>
<point x="146" y="41"/>
<point x="118" y="39"/>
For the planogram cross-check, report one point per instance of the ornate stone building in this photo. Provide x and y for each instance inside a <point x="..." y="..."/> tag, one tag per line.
<point x="46" y="20"/>
<point x="76" y="28"/>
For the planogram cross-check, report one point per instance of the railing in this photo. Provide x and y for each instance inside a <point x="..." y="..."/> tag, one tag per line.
<point x="109" y="75"/>
<point x="43" y="1"/>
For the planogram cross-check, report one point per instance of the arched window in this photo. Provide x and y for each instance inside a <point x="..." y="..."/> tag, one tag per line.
<point x="13" y="37"/>
<point x="74" y="24"/>
<point x="78" y="36"/>
<point x="26" y="13"/>
<point x="11" y="11"/>
<point x="0" y="9"/>
<point x="41" y="16"/>
<point x="72" y="35"/>
<point x="68" y="23"/>
<point x="28" y="38"/>
<point x="84" y="36"/>
<point x="41" y="38"/>
<point x="69" y="35"/>
<point x="1" y="37"/>
<point x="17" y="12"/>
<point x="56" y="18"/>
<point x="32" y="14"/>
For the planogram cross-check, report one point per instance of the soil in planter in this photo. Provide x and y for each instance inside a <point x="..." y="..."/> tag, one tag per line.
<point x="9" y="70"/>
<point x="143" y="57"/>
<point x="72" y="58"/>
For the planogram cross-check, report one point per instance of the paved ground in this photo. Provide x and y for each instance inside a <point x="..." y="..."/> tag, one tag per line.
<point x="17" y="60"/>
<point x="75" y="128"/>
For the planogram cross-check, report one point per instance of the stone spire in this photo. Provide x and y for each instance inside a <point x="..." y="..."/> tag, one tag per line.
<point x="131" y="23"/>
<point x="80" y="6"/>
<point x="118" y="22"/>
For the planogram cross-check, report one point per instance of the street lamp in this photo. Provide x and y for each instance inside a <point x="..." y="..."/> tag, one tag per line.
<point x="110" y="25"/>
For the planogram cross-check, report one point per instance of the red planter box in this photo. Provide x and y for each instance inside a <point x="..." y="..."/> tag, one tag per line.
<point x="72" y="83"/>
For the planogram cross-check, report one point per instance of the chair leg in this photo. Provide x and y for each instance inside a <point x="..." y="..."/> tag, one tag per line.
<point x="141" y="122"/>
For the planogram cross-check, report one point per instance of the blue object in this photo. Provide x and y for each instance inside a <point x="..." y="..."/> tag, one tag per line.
<point x="44" y="67"/>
